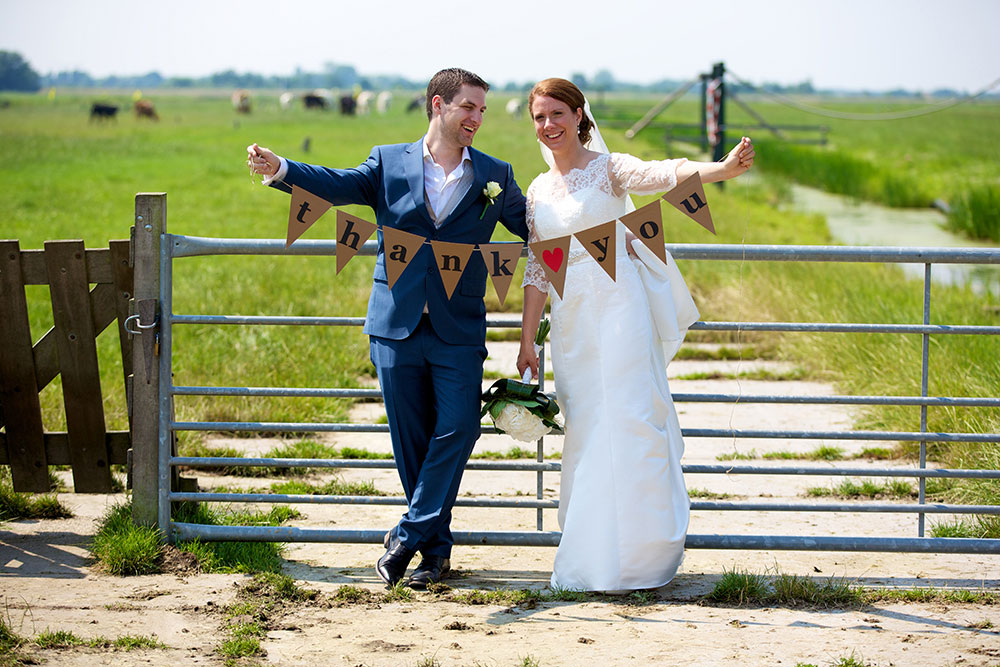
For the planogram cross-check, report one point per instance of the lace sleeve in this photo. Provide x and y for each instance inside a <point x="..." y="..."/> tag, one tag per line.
<point x="628" y="173"/>
<point x="533" y="273"/>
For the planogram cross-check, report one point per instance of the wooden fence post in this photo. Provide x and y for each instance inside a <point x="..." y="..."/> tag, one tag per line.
<point x="150" y="223"/>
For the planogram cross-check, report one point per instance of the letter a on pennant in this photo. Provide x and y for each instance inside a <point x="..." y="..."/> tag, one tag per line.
<point x="553" y="255"/>
<point x="399" y="249"/>
<point x="352" y="232"/>
<point x="689" y="198"/>
<point x="600" y="243"/>
<point x="306" y="208"/>
<point x="501" y="260"/>
<point x="451" y="259"/>
<point x="647" y="224"/>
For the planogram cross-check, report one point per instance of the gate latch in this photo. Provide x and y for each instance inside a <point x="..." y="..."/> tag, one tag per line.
<point x="147" y="321"/>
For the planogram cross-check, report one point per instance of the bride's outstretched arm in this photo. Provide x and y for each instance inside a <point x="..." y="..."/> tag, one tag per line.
<point x="534" y="304"/>
<point x="739" y="160"/>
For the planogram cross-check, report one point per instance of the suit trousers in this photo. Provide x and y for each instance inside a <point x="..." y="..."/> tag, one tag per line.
<point x="432" y="399"/>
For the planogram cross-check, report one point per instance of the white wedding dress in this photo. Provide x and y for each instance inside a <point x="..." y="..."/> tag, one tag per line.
<point x="623" y="507"/>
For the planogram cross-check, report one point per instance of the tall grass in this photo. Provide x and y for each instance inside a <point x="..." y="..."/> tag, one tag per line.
<point x="975" y="211"/>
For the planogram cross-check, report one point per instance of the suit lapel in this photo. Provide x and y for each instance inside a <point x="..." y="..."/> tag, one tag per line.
<point x="413" y="167"/>
<point x="480" y="170"/>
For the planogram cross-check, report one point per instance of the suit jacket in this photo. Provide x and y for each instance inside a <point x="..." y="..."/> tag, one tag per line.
<point x="391" y="182"/>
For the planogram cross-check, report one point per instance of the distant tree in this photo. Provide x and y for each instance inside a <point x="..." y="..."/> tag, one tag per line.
<point x="16" y="73"/>
<point x="603" y="80"/>
<point x="580" y="79"/>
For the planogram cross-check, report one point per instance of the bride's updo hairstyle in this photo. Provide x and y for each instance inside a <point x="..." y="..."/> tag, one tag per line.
<point x="567" y="93"/>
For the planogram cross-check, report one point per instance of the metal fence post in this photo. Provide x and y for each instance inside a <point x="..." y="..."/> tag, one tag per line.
<point x="924" y="358"/>
<point x="150" y="224"/>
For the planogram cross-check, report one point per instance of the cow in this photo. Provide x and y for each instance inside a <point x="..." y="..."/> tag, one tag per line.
<point x="383" y="102"/>
<point x="348" y="105"/>
<point x="515" y="107"/>
<point x="314" y="101"/>
<point x="103" y="111"/>
<point x="415" y="103"/>
<point x="286" y="99"/>
<point x="241" y="101"/>
<point x="145" y="109"/>
<point x="364" y="100"/>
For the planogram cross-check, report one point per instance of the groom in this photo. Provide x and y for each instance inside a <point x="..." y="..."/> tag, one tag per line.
<point x="428" y="349"/>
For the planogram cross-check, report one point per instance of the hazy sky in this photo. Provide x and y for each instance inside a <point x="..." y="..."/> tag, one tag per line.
<point x="857" y="44"/>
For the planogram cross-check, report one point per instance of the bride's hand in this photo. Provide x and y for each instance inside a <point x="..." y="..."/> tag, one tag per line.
<point x="527" y="358"/>
<point x="740" y="159"/>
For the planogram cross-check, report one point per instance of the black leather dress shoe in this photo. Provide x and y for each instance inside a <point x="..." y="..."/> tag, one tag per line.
<point x="432" y="569"/>
<point x="392" y="566"/>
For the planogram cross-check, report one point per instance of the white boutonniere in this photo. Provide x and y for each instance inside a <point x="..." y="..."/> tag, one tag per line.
<point x="491" y="192"/>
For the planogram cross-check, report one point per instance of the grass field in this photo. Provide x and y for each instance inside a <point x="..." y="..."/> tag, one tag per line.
<point x="68" y="178"/>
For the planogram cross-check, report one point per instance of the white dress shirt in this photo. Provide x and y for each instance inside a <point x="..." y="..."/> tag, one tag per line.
<point x="439" y="187"/>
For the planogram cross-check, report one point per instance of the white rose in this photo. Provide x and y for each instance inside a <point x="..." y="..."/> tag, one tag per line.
<point x="518" y="422"/>
<point x="492" y="190"/>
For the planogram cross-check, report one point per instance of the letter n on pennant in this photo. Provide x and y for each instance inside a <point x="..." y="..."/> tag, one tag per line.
<point x="451" y="258"/>
<point x="689" y="198"/>
<point x="501" y="261"/>
<point x="306" y="208"/>
<point x="553" y="256"/>
<point x="600" y="243"/>
<point x="352" y="232"/>
<point x="399" y="249"/>
<point x="647" y="224"/>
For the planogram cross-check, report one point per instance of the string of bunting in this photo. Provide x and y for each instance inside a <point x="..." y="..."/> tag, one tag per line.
<point x="452" y="258"/>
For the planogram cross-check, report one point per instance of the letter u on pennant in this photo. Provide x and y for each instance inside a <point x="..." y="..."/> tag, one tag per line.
<point x="689" y="198"/>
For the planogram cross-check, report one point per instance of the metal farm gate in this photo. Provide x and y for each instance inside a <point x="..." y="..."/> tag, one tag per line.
<point x="157" y="252"/>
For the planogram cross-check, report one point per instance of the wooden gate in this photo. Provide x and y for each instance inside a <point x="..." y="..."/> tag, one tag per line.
<point x="68" y="349"/>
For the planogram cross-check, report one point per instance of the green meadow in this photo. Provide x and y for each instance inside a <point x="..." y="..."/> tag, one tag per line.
<point x="68" y="178"/>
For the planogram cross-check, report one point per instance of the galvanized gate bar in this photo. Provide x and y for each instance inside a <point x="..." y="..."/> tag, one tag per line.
<point x="678" y="398"/>
<point x="190" y="531"/>
<point x="718" y="506"/>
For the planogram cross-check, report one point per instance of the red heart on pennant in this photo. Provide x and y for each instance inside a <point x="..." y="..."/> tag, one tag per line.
<point x="553" y="258"/>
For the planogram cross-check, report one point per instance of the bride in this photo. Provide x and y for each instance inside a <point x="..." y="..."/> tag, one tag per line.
<point x="623" y="507"/>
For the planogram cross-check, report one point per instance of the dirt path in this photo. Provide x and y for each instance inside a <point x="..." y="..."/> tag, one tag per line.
<point x="47" y="581"/>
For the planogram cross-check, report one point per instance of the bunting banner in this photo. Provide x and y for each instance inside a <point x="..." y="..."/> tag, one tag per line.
<point x="452" y="259"/>
<point x="689" y="198"/>
<point x="599" y="241"/>
<point x="647" y="224"/>
<point x="400" y="247"/>
<point x="306" y="209"/>
<point x="501" y="259"/>
<point x="553" y="255"/>
<point x="352" y="232"/>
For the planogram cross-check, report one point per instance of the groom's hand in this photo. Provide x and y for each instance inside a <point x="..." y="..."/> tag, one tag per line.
<point x="262" y="160"/>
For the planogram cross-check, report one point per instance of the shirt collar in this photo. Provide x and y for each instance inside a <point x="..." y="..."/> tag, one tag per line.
<point x="428" y="156"/>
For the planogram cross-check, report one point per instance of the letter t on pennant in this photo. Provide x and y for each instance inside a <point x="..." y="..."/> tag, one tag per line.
<point x="306" y="208"/>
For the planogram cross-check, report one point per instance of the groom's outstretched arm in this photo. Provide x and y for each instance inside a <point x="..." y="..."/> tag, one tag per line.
<point x="358" y="185"/>
<point x="513" y="213"/>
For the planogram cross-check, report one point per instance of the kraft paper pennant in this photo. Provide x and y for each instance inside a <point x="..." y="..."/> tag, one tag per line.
<point x="553" y="255"/>
<point x="452" y="258"/>
<point x="399" y="248"/>
<point x="352" y="232"/>
<point x="306" y="208"/>
<point x="647" y="224"/>
<point x="501" y="260"/>
<point x="689" y="198"/>
<point x="600" y="243"/>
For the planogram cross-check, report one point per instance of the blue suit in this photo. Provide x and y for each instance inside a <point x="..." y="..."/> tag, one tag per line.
<point x="430" y="367"/>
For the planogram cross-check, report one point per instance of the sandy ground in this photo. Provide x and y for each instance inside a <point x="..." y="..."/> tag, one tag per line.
<point x="48" y="582"/>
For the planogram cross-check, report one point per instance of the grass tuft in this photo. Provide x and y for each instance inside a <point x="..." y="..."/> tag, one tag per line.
<point x="247" y="557"/>
<point x="123" y="548"/>
<point x="14" y="505"/>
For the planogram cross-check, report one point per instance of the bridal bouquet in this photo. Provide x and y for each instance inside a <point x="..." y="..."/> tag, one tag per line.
<point x="520" y="409"/>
